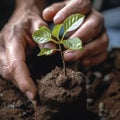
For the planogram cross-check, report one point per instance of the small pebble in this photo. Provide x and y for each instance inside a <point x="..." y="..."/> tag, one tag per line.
<point x="88" y="87"/>
<point x="24" y="113"/>
<point x="106" y="78"/>
<point x="11" y="106"/>
<point x="1" y="94"/>
<point x="97" y="74"/>
<point x="102" y="110"/>
<point x="90" y="101"/>
<point x="101" y="106"/>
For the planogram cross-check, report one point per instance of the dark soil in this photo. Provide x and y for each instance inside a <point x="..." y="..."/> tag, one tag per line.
<point x="93" y="94"/>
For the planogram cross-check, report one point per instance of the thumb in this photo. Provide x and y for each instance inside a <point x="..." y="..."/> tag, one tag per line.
<point x="35" y="25"/>
<point x="72" y="7"/>
<point x="36" y="22"/>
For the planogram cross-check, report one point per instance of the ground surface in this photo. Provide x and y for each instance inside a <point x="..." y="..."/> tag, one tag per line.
<point x="102" y="87"/>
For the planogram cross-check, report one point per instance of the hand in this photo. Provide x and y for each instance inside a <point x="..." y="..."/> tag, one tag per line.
<point x="92" y="31"/>
<point x="15" y="44"/>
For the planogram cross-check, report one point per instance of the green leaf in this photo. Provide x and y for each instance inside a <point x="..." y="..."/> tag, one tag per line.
<point x="41" y="36"/>
<point x="72" y="44"/>
<point x="45" y="51"/>
<point x="44" y="28"/>
<point x="73" y="22"/>
<point x="56" y="30"/>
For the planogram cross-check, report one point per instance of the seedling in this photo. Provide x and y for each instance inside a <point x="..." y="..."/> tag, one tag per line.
<point x="44" y="35"/>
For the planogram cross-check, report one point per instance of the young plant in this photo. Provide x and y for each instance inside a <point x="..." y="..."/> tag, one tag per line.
<point x="44" y="35"/>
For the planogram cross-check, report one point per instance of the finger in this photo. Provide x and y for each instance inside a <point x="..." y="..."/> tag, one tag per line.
<point x="94" y="60"/>
<point x="91" y="27"/>
<point x="73" y="6"/>
<point x="50" y="11"/>
<point x="3" y="58"/>
<point x="19" y="70"/>
<point x="47" y="45"/>
<point x="36" y="22"/>
<point x="94" y="47"/>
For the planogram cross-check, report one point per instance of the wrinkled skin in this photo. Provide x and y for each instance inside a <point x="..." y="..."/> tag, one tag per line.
<point x="16" y="42"/>
<point x="92" y="31"/>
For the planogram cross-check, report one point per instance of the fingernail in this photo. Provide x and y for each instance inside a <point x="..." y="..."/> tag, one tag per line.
<point x="49" y="45"/>
<point x="50" y="9"/>
<point x="59" y="18"/>
<point x="70" y="56"/>
<point x="29" y="95"/>
<point x="35" y="102"/>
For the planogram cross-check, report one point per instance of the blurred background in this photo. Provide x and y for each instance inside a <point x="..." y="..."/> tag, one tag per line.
<point x="109" y="8"/>
<point x="6" y="9"/>
<point x="111" y="11"/>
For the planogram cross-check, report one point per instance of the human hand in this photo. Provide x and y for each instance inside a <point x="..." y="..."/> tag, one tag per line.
<point x="92" y="31"/>
<point x="15" y="44"/>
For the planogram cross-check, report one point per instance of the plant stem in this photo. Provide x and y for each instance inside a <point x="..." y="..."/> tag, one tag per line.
<point x="63" y="61"/>
<point x="62" y="37"/>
